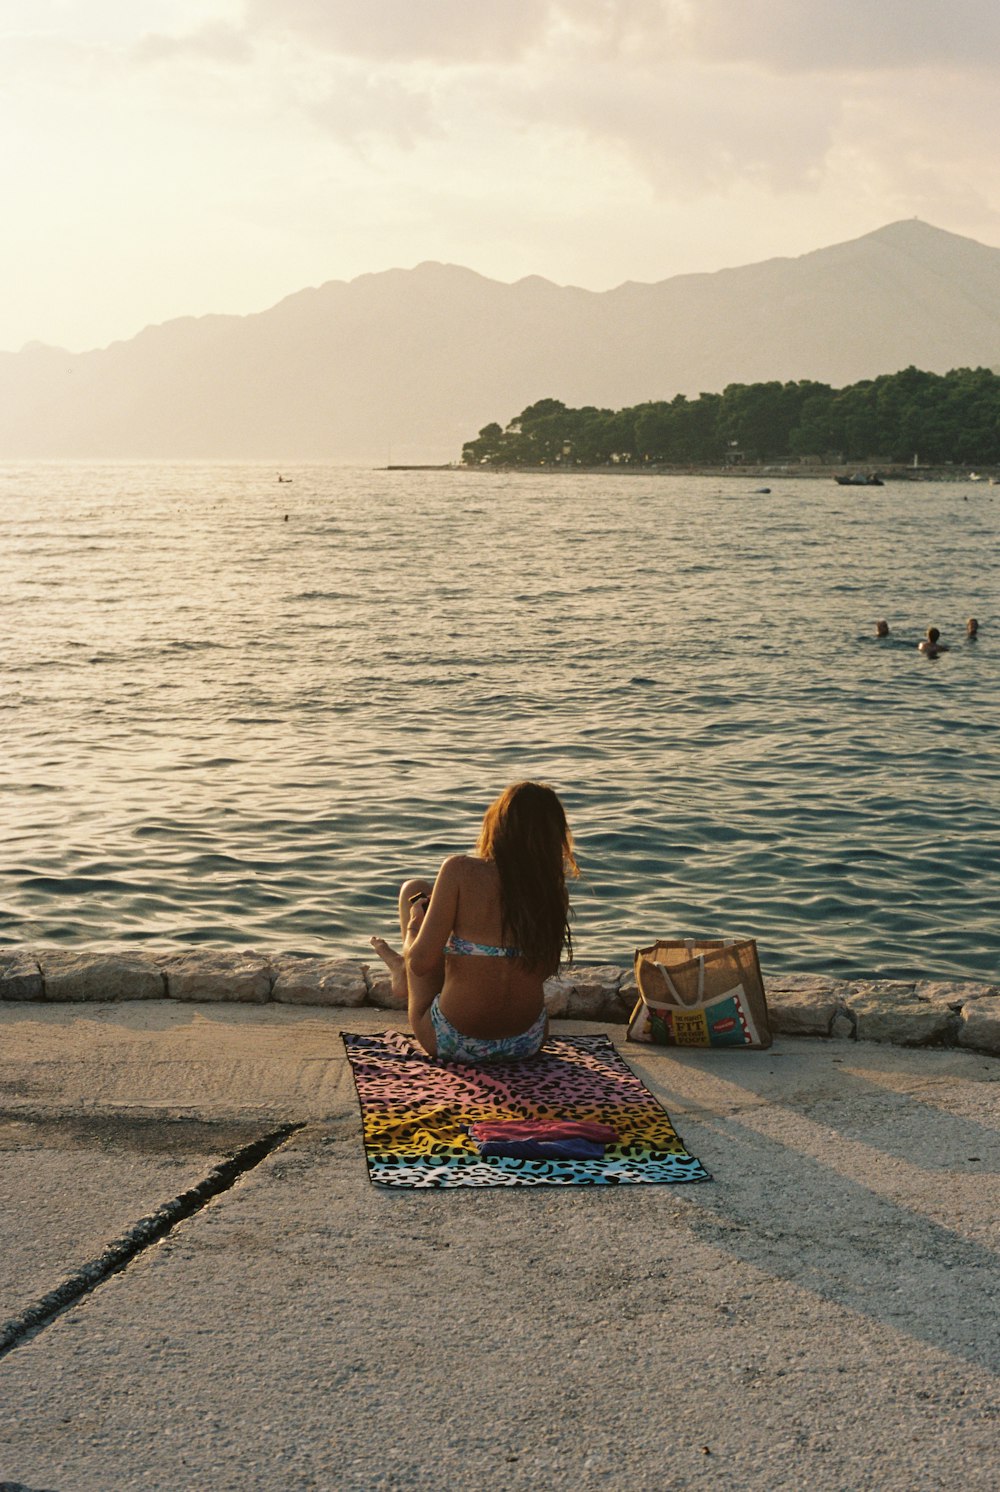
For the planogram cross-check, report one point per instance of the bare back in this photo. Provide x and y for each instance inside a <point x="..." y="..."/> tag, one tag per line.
<point x="482" y="995"/>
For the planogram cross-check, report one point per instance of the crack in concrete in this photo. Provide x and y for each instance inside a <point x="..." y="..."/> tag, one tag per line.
<point x="142" y="1234"/>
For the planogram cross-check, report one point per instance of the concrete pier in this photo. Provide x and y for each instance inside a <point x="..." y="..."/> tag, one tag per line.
<point x="823" y="1314"/>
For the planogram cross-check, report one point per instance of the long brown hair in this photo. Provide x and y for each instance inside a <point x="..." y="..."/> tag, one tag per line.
<point x="526" y="835"/>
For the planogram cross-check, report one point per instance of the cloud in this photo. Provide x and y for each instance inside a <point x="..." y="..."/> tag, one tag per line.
<point x="849" y="35"/>
<point x="363" y="109"/>
<point x="682" y="93"/>
<point x="447" y="31"/>
<point x="213" y="43"/>
<point x="929" y="150"/>
<point x="776" y="35"/>
<point x="673" y="131"/>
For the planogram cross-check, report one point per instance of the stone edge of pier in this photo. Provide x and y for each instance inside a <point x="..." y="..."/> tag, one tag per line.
<point x="922" y="1012"/>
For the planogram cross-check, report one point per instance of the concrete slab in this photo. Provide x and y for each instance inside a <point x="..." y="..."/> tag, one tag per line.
<point x="824" y="1314"/>
<point x="186" y="1059"/>
<point x="69" y="1185"/>
<point x="110" y="1111"/>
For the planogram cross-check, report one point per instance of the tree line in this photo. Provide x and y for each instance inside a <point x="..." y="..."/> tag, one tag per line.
<point x="938" y="418"/>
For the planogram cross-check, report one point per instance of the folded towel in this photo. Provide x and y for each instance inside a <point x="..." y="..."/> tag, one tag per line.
<point x="542" y="1129"/>
<point x="543" y="1149"/>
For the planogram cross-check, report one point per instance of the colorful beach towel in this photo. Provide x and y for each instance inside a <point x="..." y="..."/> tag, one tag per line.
<point x="416" y="1114"/>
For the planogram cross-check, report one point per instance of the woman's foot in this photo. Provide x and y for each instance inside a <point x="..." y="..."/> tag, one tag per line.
<point x="396" y="964"/>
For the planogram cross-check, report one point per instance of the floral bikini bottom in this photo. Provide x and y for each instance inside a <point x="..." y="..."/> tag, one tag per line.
<point x="454" y="1046"/>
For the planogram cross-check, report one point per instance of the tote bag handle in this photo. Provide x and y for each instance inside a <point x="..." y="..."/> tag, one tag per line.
<point x="671" y="986"/>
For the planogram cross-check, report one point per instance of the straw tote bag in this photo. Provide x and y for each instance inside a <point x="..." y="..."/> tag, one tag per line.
<point x="700" y="992"/>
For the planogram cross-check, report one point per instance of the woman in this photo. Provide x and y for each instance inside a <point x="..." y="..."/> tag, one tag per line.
<point x="479" y="944"/>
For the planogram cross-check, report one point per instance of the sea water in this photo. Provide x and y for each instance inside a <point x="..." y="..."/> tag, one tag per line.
<point x="239" y="711"/>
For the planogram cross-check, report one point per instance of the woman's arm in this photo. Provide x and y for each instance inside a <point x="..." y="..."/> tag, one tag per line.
<point x="427" y="949"/>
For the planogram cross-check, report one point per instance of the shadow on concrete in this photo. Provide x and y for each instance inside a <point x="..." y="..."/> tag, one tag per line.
<point x="868" y="1197"/>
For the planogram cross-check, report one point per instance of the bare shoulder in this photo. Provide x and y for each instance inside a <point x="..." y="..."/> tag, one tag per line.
<point x="467" y="869"/>
<point x="455" y="868"/>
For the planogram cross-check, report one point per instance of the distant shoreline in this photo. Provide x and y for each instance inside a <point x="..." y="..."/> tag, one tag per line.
<point x="816" y="473"/>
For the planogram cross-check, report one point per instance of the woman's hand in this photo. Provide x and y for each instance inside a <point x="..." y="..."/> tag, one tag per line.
<point x="418" y="911"/>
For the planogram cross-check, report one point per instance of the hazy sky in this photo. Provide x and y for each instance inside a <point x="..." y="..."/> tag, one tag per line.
<point x="166" y="157"/>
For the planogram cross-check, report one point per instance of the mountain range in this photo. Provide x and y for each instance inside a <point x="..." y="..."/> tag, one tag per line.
<point x="405" y="365"/>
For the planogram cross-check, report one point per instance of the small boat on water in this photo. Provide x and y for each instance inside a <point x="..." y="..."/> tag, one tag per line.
<point x="860" y="479"/>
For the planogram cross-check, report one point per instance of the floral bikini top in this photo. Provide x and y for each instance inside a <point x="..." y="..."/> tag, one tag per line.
<point x="463" y="946"/>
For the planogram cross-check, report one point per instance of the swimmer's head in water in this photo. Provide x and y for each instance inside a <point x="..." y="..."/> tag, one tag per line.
<point x="972" y="626"/>
<point x="933" y="634"/>
<point x="882" y="629"/>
